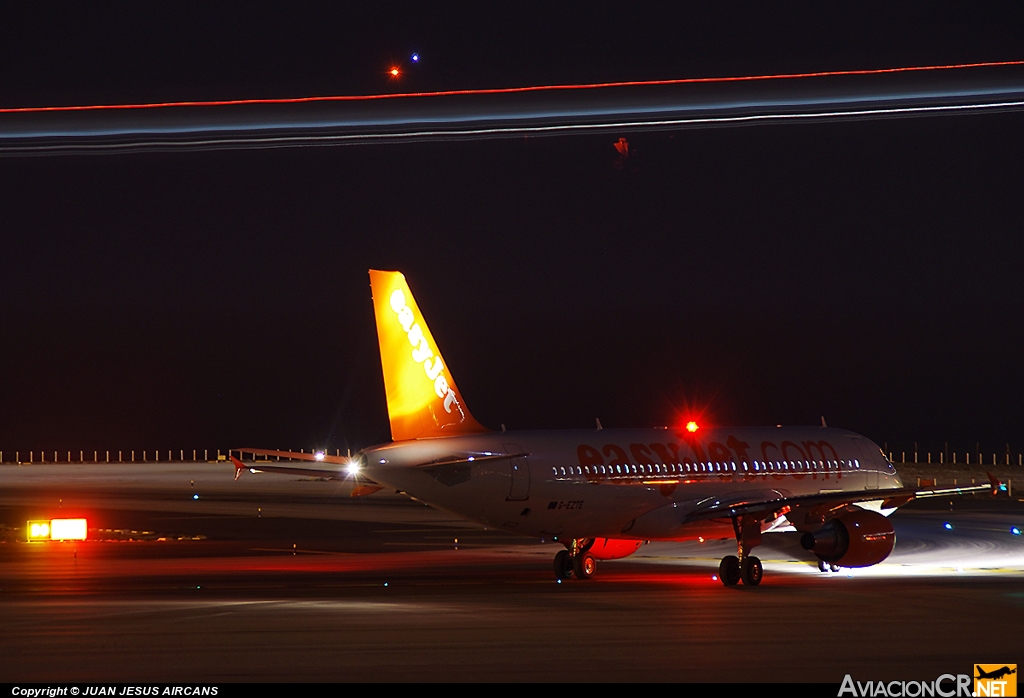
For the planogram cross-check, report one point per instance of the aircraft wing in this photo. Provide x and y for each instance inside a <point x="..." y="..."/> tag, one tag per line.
<point x="818" y="507"/>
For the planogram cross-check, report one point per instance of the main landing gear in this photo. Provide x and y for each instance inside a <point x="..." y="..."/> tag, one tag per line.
<point x="576" y="561"/>
<point x="744" y="567"/>
<point x="827" y="567"/>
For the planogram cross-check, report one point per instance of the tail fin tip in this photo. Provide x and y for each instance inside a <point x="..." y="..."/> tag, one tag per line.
<point x="422" y="398"/>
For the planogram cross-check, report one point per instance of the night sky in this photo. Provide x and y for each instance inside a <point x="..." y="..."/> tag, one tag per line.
<point x="870" y="272"/>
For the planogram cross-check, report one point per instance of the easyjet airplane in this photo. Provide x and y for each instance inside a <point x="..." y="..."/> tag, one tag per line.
<point x="603" y="492"/>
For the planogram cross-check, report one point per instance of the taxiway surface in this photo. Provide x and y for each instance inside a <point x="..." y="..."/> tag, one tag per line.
<point x="277" y="578"/>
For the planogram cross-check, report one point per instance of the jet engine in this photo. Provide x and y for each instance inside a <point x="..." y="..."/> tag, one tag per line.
<point x="856" y="539"/>
<point x="613" y="548"/>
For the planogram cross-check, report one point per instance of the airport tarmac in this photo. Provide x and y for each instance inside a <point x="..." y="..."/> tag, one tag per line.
<point x="192" y="577"/>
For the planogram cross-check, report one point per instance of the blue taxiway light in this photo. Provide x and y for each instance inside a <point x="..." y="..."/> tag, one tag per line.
<point x="948" y="526"/>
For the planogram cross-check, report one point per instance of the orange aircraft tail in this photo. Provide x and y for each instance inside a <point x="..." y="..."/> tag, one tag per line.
<point x="423" y="401"/>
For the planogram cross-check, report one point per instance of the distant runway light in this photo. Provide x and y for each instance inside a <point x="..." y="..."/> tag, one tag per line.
<point x="195" y="496"/>
<point x="415" y="58"/>
<point x="1014" y="530"/>
<point x="394" y="72"/>
<point x="948" y="526"/>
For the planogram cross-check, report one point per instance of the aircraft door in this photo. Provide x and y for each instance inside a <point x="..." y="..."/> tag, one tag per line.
<point x="520" y="474"/>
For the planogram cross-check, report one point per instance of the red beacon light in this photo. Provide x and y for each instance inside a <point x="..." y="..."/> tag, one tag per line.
<point x="691" y="426"/>
<point x="395" y="72"/>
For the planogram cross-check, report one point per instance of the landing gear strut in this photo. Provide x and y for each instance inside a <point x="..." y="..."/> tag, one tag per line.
<point x="744" y="567"/>
<point x="827" y="567"/>
<point x="576" y="561"/>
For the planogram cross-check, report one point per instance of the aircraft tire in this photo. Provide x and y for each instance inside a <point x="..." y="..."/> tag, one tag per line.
<point x="751" y="571"/>
<point x="563" y="565"/>
<point x="729" y="570"/>
<point x="584" y="566"/>
<point x="822" y="566"/>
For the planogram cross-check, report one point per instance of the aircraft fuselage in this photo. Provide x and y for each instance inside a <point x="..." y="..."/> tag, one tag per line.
<point x="624" y="483"/>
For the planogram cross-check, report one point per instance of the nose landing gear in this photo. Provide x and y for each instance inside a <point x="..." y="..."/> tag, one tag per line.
<point x="576" y="561"/>
<point x="827" y="567"/>
<point x="744" y="567"/>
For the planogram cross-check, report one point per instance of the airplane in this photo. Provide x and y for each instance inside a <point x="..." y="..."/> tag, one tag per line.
<point x="995" y="674"/>
<point x="603" y="493"/>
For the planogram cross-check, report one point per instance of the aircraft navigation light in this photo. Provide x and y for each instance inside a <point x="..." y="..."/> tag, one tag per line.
<point x="353" y="467"/>
<point x="394" y="72"/>
<point x="691" y="426"/>
<point x="319" y="455"/>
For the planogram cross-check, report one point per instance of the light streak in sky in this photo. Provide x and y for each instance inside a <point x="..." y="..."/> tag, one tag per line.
<point x="509" y="90"/>
<point x="511" y="112"/>
<point x="511" y="131"/>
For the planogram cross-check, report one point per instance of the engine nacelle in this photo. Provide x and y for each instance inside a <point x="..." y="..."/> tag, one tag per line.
<point x="614" y="548"/>
<point x="855" y="539"/>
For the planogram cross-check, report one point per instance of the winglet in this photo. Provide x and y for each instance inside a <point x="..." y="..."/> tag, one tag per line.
<point x="239" y="467"/>
<point x="422" y="398"/>
<point x="997" y="486"/>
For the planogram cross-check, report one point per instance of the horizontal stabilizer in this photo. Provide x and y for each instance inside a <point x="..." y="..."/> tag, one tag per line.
<point x="454" y="460"/>
<point x="308" y="464"/>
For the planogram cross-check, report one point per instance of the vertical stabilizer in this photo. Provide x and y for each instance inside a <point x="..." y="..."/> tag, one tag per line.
<point x="422" y="398"/>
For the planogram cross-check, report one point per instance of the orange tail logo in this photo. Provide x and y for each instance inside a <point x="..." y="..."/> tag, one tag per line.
<point x="422" y="398"/>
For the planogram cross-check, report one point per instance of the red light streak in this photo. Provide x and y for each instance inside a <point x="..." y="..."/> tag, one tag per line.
<point x="505" y="90"/>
